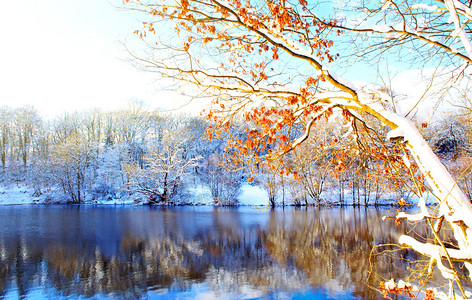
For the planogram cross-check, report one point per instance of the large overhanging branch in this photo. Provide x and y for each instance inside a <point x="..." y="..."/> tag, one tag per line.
<point x="248" y="94"/>
<point x="436" y="251"/>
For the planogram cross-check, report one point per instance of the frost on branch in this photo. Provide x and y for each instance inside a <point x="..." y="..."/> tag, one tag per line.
<point x="165" y="164"/>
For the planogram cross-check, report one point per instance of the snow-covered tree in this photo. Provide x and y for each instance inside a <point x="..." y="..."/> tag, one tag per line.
<point x="267" y="62"/>
<point x="164" y="165"/>
<point x="70" y="166"/>
<point x="224" y="182"/>
<point x="26" y="121"/>
<point x="450" y="138"/>
<point x="5" y="134"/>
<point x="131" y="124"/>
<point x="109" y="177"/>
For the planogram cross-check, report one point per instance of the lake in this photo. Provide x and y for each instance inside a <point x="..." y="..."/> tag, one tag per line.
<point x="127" y="252"/>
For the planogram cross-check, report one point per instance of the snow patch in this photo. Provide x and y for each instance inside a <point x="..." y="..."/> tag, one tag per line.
<point x="17" y="194"/>
<point x="395" y="134"/>
<point x="430" y="8"/>
<point x="381" y="28"/>
<point x="253" y="195"/>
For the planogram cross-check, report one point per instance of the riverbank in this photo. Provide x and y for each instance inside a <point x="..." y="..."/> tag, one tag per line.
<point x="22" y="194"/>
<point x="17" y="194"/>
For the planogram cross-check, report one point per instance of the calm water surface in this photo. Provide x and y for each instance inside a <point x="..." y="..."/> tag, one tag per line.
<point x="50" y="252"/>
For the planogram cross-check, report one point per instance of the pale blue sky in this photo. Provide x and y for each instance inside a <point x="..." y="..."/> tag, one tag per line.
<point x="67" y="55"/>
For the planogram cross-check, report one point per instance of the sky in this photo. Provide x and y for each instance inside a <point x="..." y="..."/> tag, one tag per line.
<point x="64" y="55"/>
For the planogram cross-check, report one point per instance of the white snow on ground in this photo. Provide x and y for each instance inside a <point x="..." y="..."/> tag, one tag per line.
<point x="16" y="194"/>
<point x="253" y="195"/>
<point x="250" y="195"/>
<point x="113" y="201"/>
<point x="200" y="195"/>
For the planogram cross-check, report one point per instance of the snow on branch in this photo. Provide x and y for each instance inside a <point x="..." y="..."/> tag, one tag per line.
<point x="431" y="8"/>
<point x="438" y="253"/>
<point x="422" y="214"/>
<point x="459" y="31"/>
<point x="462" y="9"/>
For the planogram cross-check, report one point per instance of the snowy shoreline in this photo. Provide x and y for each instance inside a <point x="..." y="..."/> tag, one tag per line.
<point x="251" y="196"/>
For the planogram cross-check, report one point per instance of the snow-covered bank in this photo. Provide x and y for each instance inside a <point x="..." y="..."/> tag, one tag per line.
<point x="22" y="194"/>
<point x="17" y="194"/>
<point x="250" y="195"/>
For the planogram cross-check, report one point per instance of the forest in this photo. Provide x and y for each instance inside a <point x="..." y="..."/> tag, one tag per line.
<point x="143" y="156"/>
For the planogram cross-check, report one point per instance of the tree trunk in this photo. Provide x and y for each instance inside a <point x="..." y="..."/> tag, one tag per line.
<point x="452" y="202"/>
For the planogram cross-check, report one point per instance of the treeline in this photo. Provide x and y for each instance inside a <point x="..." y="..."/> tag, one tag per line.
<point x="158" y="158"/>
<point x="95" y="155"/>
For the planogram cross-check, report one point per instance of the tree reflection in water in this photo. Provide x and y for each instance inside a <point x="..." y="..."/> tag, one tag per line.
<point x="141" y="252"/>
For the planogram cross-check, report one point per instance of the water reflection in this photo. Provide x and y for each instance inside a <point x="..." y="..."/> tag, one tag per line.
<point x="189" y="252"/>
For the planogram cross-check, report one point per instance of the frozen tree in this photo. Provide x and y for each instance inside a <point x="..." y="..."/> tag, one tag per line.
<point x="109" y="130"/>
<point x="131" y="124"/>
<point x="164" y="165"/>
<point x="70" y="166"/>
<point x="109" y="177"/>
<point x="224" y="182"/>
<point x="39" y="160"/>
<point x="5" y="134"/>
<point x="270" y="181"/>
<point x="313" y="168"/>
<point x="64" y="126"/>
<point x="26" y="121"/>
<point x="312" y="161"/>
<point x="131" y="129"/>
<point x="450" y="138"/>
<point x="267" y="63"/>
<point x="94" y="123"/>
